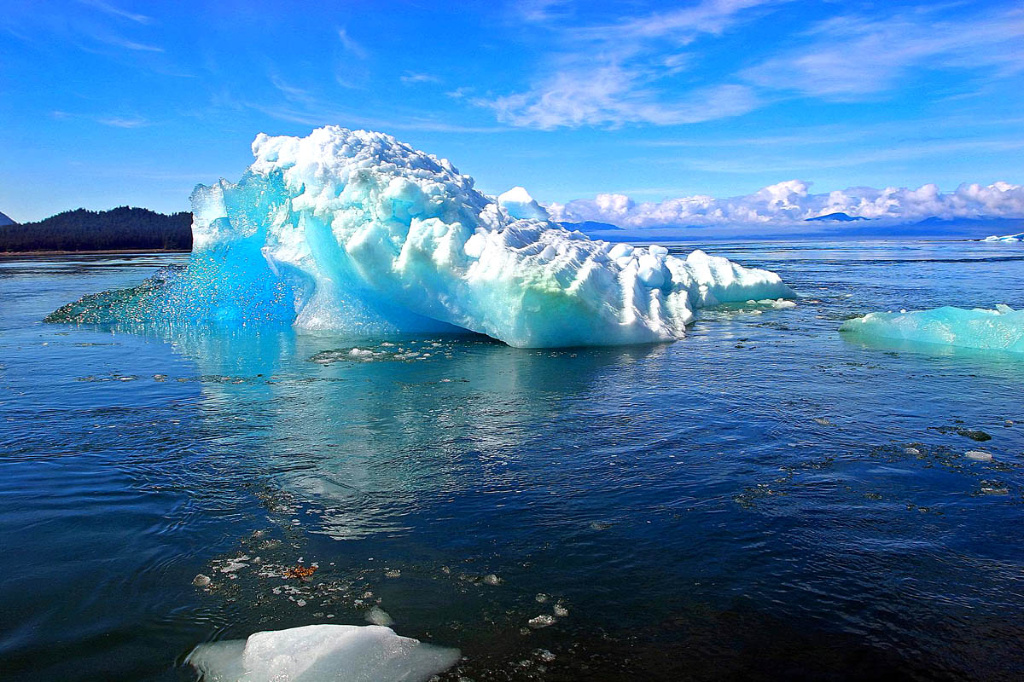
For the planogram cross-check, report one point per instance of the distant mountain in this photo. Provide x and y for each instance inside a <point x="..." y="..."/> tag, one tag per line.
<point x="118" y="229"/>
<point x="589" y="226"/>
<point x="838" y="217"/>
<point x="4" y="220"/>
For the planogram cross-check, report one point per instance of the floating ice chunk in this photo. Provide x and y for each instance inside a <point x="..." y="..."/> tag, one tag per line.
<point x="316" y="653"/>
<point x="542" y="621"/>
<point x="379" y="616"/>
<point x="999" y="329"/>
<point x="978" y="455"/>
<point x="357" y="232"/>
<point x="519" y="204"/>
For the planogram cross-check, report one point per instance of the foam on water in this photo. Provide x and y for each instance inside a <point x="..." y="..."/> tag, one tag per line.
<point x="356" y="232"/>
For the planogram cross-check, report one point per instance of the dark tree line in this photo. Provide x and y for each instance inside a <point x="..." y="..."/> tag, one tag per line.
<point x="117" y="229"/>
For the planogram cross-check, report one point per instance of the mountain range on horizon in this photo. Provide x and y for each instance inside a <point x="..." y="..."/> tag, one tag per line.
<point x="140" y="228"/>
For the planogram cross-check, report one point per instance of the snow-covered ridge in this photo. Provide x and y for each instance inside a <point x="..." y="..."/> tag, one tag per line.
<point x="358" y="232"/>
<point x="980" y="328"/>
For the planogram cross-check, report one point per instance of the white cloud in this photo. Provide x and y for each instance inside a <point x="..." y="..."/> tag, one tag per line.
<point x="850" y="57"/>
<point x="122" y="122"/>
<point x="410" y="77"/>
<point x="615" y="74"/>
<point x="117" y="11"/>
<point x="790" y="202"/>
<point x="539" y="11"/>
<point x="350" y="45"/>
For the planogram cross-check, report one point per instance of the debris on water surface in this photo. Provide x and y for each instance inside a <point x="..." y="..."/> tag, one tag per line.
<point x="973" y="434"/>
<point x="300" y="572"/>
<point x="823" y="421"/>
<point x="993" y="488"/>
<point x="201" y="580"/>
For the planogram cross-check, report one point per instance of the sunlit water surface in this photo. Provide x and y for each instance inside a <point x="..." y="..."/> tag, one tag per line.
<point x="764" y="499"/>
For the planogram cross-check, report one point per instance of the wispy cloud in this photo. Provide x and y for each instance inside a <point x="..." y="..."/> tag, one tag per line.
<point x="118" y="41"/>
<point x="538" y="11"/>
<point x="319" y="114"/>
<point x="113" y="121"/>
<point x="898" y="153"/>
<point x="409" y="78"/>
<point x="613" y="74"/>
<point x="351" y="46"/>
<point x="122" y="122"/>
<point x="851" y="57"/>
<point x="117" y="12"/>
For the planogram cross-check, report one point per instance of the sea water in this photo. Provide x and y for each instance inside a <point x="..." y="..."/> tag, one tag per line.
<point x="763" y="499"/>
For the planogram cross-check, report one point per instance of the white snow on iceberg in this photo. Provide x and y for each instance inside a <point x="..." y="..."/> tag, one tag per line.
<point x="322" y="653"/>
<point x="999" y="329"/>
<point x="356" y="232"/>
<point x="518" y="203"/>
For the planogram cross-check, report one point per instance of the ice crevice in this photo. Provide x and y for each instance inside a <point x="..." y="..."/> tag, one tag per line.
<point x="354" y="231"/>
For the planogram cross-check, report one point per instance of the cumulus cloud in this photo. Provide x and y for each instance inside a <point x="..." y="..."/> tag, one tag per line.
<point x="791" y="202"/>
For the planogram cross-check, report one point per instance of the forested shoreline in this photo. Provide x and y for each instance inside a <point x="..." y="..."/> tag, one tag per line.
<point x="119" y="229"/>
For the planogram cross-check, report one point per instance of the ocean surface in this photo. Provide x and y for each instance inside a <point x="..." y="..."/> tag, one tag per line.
<point x="763" y="500"/>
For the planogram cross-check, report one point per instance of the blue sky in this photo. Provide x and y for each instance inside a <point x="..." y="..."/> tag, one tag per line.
<point x="105" y="103"/>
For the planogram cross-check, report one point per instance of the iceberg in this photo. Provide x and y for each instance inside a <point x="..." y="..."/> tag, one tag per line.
<point x="1005" y="238"/>
<point x="983" y="329"/>
<point x="355" y="232"/>
<point x="322" y="653"/>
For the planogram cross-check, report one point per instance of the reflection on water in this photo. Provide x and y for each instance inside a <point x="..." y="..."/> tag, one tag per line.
<point x="762" y="500"/>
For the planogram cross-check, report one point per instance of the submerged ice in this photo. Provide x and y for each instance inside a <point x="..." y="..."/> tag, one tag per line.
<point x="999" y="329"/>
<point x="356" y="232"/>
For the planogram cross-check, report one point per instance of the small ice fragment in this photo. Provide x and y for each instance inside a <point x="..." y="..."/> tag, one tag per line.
<point x="541" y="598"/>
<point x="491" y="579"/>
<point x="979" y="455"/>
<point x="912" y="451"/>
<point x="823" y="421"/>
<point x="544" y="655"/>
<point x="201" y="580"/>
<point x="541" y="621"/>
<point x="379" y="616"/>
<point x="393" y="573"/>
<point x="560" y="611"/>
